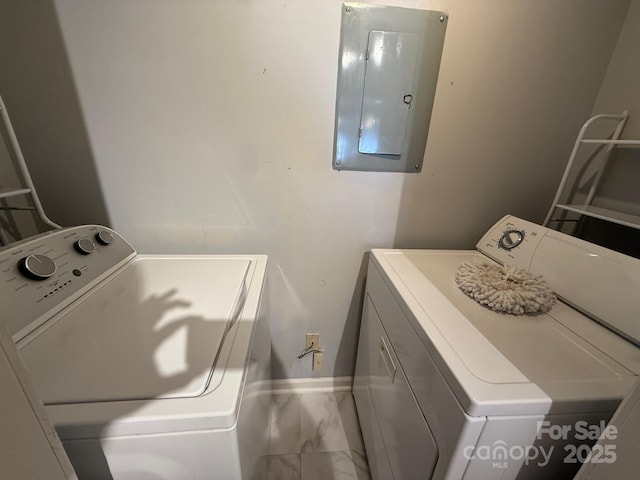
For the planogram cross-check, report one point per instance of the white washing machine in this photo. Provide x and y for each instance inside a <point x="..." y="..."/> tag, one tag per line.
<point x="150" y="366"/>
<point x="448" y="389"/>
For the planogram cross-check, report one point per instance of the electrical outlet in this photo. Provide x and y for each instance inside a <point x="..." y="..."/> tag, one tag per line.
<point x="312" y="340"/>
<point x="318" y="360"/>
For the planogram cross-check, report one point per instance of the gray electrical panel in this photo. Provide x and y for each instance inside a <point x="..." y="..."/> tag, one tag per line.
<point x="387" y="73"/>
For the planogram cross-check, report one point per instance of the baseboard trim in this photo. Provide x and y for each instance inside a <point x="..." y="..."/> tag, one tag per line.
<point x="309" y="385"/>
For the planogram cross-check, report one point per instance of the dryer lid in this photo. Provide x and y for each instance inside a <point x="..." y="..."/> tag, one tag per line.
<point x="498" y="348"/>
<point x="152" y="330"/>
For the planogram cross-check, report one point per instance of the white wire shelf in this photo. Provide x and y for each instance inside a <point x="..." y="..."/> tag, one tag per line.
<point x="610" y="144"/>
<point x="607" y="214"/>
<point x="13" y="192"/>
<point x="618" y="143"/>
<point x="29" y="188"/>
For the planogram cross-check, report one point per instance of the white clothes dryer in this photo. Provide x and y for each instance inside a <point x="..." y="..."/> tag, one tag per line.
<point x="149" y="366"/>
<point x="447" y="389"/>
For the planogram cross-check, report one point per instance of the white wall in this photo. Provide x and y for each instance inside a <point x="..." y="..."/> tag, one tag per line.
<point x="211" y="126"/>
<point x="38" y="89"/>
<point x="620" y="87"/>
<point x="621" y="91"/>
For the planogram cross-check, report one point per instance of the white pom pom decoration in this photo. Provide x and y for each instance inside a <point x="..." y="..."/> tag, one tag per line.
<point x="505" y="289"/>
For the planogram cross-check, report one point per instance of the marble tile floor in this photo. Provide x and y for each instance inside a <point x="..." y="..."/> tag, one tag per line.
<point x="315" y="436"/>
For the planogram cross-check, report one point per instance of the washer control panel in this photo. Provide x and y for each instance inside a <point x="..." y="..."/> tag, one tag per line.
<point x="512" y="241"/>
<point x="40" y="275"/>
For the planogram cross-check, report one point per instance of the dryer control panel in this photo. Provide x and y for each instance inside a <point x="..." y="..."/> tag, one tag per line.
<point x="41" y="275"/>
<point x="602" y="283"/>
<point x="512" y="241"/>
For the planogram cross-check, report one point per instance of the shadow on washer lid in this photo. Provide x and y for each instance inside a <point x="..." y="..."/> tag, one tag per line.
<point x="153" y="330"/>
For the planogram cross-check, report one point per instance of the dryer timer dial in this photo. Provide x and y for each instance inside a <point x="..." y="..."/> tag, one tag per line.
<point x="510" y="239"/>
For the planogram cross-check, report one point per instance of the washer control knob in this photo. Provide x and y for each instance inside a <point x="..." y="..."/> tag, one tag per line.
<point x="104" y="237"/>
<point x="37" y="267"/>
<point x="84" y="246"/>
<point x="511" y="239"/>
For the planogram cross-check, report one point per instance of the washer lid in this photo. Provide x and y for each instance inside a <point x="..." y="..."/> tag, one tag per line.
<point x="152" y="330"/>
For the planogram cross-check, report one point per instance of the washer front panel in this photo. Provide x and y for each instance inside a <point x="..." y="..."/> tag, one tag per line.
<point x="27" y="302"/>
